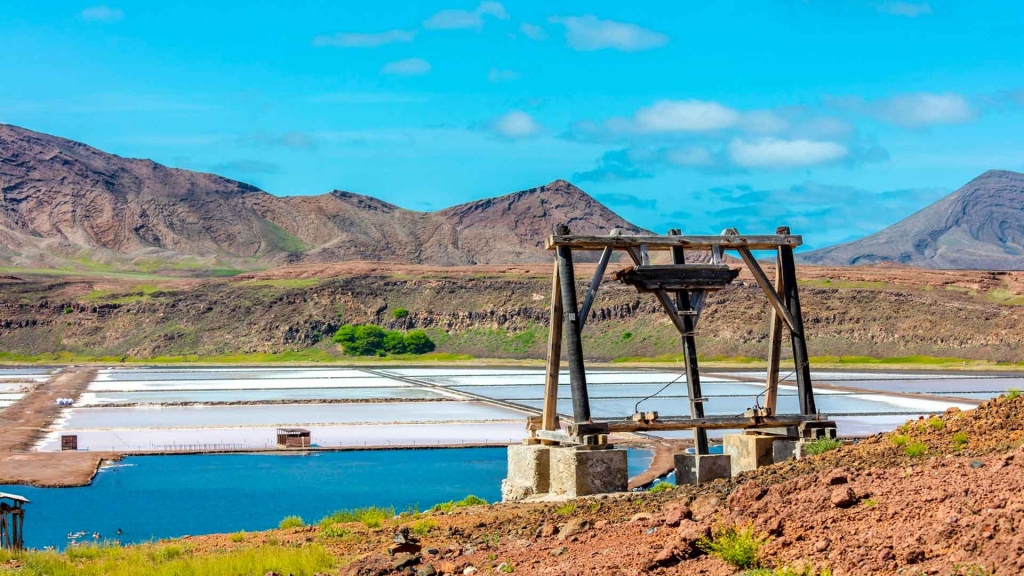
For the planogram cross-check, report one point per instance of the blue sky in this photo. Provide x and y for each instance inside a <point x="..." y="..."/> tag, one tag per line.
<point x="834" y="117"/>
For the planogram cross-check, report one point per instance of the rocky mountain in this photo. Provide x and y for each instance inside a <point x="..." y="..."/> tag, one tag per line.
<point x="979" y="227"/>
<point x="62" y="201"/>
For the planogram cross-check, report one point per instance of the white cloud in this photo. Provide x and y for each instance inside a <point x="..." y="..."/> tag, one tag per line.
<point x="924" y="109"/>
<point x="532" y="31"/>
<point x="103" y="14"/>
<point x="777" y="153"/>
<point x="516" y="124"/>
<point x="362" y="40"/>
<point x="683" y="116"/>
<point x="907" y="9"/>
<point x="498" y="76"/>
<point x="694" y="156"/>
<point x="763" y="122"/>
<point x="588" y="33"/>
<point x="462" y="19"/>
<point x="407" y="67"/>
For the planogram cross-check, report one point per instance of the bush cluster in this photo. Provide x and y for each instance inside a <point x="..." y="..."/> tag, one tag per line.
<point x="370" y="340"/>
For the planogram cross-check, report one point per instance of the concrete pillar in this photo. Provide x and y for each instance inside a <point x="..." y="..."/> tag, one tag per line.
<point x="528" y="472"/>
<point x="580" y="472"/>
<point x="748" y="451"/>
<point x="697" y="469"/>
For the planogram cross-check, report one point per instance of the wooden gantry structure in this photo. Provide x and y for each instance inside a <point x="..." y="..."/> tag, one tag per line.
<point x="12" y="521"/>
<point x="681" y="289"/>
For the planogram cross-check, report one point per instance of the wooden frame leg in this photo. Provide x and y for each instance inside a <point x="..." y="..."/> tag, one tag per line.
<point x="700" y="436"/>
<point x="774" y="347"/>
<point x="549" y="418"/>
<point x="800" y="359"/>
<point x="571" y="327"/>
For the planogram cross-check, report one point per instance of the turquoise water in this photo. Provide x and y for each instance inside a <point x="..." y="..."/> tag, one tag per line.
<point x="151" y="497"/>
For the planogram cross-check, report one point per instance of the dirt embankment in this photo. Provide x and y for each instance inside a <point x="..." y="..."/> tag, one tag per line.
<point x="24" y="423"/>
<point x="501" y="312"/>
<point x="950" y="505"/>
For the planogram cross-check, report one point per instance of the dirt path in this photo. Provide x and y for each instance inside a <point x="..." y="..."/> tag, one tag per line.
<point x="22" y="424"/>
<point x="664" y="461"/>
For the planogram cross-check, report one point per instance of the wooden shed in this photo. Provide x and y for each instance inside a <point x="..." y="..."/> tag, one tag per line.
<point x="293" y="438"/>
<point x="12" y="521"/>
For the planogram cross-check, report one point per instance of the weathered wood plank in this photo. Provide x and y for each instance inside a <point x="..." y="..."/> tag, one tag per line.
<point x="571" y="326"/>
<point x="774" y="346"/>
<point x="663" y="297"/>
<point x="762" y="242"/>
<point x="595" y="283"/>
<point x="700" y="436"/>
<point x="549" y="417"/>
<point x="710" y="423"/>
<point x="676" y="278"/>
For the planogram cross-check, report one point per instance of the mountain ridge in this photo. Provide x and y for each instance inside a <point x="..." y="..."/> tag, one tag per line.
<point x="980" y="226"/>
<point x="62" y="200"/>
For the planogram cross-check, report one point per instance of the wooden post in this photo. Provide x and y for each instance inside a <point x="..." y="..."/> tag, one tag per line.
<point x="700" y="436"/>
<point x="774" y="346"/>
<point x="800" y="360"/>
<point x="549" y="417"/>
<point x="571" y="326"/>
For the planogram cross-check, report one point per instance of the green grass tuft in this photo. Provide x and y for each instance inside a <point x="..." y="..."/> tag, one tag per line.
<point x="567" y="509"/>
<point x="466" y="502"/>
<point x="237" y="537"/>
<point x="661" y="487"/>
<point x="370" y="516"/>
<point x="739" y="546"/>
<point x="166" y="560"/>
<point x="1012" y="393"/>
<point x="936" y="423"/>
<point x="804" y="570"/>
<point x="960" y="440"/>
<point x="915" y="449"/>
<point x="423" y="527"/>
<point x="900" y="440"/>
<point x="821" y="445"/>
<point x="291" y="522"/>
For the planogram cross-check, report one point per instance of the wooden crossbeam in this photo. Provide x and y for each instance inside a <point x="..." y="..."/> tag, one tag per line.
<point x="710" y="423"/>
<point x="763" y="242"/>
<point x="674" y="278"/>
<point x="766" y="286"/>
<point x="595" y="283"/>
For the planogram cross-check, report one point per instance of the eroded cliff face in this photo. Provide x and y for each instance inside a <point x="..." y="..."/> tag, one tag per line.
<point x="502" y="316"/>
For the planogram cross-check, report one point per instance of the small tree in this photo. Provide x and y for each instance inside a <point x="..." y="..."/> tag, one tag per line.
<point x="394" y="342"/>
<point x="417" y="342"/>
<point x="399" y="313"/>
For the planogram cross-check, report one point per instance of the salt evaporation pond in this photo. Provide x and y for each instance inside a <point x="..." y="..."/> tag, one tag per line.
<point x="150" y="497"/>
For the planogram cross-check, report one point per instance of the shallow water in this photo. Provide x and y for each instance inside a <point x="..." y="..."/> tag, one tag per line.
<point x="165" y="496"/>
<point x="170" y="397"/>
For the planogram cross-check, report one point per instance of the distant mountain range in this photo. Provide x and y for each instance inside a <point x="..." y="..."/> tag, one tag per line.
<point x="980" y="226"/>
<point x="62" y="201"/>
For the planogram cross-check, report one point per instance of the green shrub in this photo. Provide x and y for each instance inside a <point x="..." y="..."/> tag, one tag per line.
<point x="1012" y="393"/>
<point x="960" y="439"/>
<point x="821" y="445"/>
<point x="566" y="509"/>
<point x="936" y="423"/>
<point x="915" y="449"/>
<point x="291" y="522"/>
<point x="869" y="502"/>
<point x="399" y="313"/>
<point x="370" y="340"/>
<point x="423" y="527"/>
<point x="466" y="502"/>
<point x="370" y="516"/>
<point x="627" y="335"/>
<point x="661" y="487"/>
<point x="804" y="570"/>
<point x="334" y="531"/>
<point x="237" y="537"/>
<point x="506" y="568"/>
<point x="68" y="309"/>
<point x="417" y="342"/>
<point x="739" y="546"/>
<point x="900" y="440"/>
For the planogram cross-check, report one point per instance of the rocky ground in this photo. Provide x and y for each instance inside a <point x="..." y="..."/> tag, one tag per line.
<point x="939" y="496"/>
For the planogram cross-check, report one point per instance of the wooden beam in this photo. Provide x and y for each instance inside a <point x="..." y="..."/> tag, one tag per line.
<point x="766" y="286"/>
<point x="800" y="359"/>
<point x="671" y="278"/>
<point x="709" y="423"/>
<point x="764" y="242"/>
<point x="663" y="298"/>
<point x="549" y="418"/>
<point x="689" y="340"/>
<point x="571" y="326"/>
<point x="595" y="283"/>
<point x="774" y="346"/>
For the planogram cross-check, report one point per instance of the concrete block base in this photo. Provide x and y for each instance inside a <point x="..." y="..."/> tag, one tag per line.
<point x="528" y="472"/>
<point x="787" y="448"/>
<point x="576" y="472"/>
<point x="698" y="469"/>
<point x="748" y="451"/>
